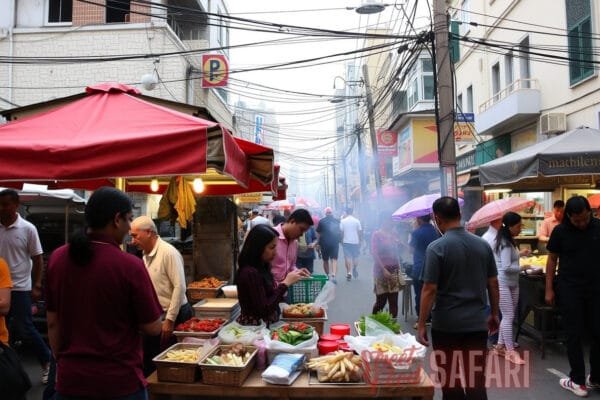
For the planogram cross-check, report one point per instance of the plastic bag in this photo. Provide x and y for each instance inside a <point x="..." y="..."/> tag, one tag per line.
<point x="284" y="369"/>
<point x="325" y="296"/>
<point x="405" y="341"/>
<point x="310" y="344"/>
<point x="261" y="355"/>
<point x="246" y="334"/>
<point x="375" y="328"/>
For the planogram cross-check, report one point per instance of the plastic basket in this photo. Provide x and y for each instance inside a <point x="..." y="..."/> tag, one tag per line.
<point x="306" y="290"/>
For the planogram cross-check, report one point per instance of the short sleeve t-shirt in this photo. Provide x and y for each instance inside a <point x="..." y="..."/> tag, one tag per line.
<point x="329" y="231"/>
<point x="100" y="307"/>
<point x="460" y="264"/>
<point x="577" y="253"/>
<point x="18" y="243"/>
<point x="5" y="283"/>
<point x="350" y="228"/>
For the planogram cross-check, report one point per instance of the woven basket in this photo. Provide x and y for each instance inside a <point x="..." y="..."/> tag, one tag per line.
<point x="225" y="375"/>
<point x="171" y="371"/>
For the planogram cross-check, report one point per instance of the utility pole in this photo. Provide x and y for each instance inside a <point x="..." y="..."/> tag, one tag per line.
<point x="361" y="167"/>
<point x="372" y="133"/>
<point x="444" y="97"/>
<point x="335" y="198"/>
<point x="327" y="192"/>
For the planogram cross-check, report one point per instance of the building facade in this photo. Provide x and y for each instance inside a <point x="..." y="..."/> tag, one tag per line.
<point x="108" y="29"/>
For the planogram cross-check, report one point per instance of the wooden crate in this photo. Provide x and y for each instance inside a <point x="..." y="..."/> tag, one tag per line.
<point x="196" y="294"/>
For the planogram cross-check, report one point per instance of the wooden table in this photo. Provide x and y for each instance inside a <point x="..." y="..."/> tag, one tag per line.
<point x="254" y="387"/>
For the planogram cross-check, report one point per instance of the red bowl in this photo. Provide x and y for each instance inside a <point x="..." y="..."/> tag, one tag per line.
<point x="343" y="346"/>
<point x="326" y="347"/>
<point x="339" y="329"/>
<point x="330" y="337"/>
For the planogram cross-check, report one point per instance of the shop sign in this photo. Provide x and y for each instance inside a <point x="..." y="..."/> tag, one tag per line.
<point x="465" y="162"/>
<point x="464" y="133"/>
<point x="465" y="117"/>
<point x="215" y="70"/>
<point x="404" y="149"/>
<point x="387" y="142"/>
<point x="249" y="197"/>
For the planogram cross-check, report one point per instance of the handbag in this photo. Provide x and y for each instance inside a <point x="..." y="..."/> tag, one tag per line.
<point x="14" y="381"/>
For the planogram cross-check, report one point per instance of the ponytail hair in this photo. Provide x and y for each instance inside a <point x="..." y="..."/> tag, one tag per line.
<point x="504" y="236"/>
<point x="100" y="211"/>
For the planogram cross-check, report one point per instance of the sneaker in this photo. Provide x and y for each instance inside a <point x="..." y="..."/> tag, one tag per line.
<point x="355" y="272"/>
<point x="590" y="384"/>
<point x="568" y="384"/>
<point x="514" y="357"/>
<point x="332" y="279"/>
<point x="45" y="373"/>
<point x="516" y="345"/>
<point x="348" y="277"/>
<point x="416" y="326"/>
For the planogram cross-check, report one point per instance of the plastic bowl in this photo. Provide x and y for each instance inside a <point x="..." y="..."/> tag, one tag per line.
<point x="326" y="347"/>
<point x="230" y="291"/>
<point x="339" y="329"/>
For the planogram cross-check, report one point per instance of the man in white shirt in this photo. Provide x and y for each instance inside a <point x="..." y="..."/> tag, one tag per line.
<point x="165" y="267"/>
<point x="256" y="219"/>
<point x="21" y="249"/>
<point x="490" y="237"/>
<point x="351" y="236"/>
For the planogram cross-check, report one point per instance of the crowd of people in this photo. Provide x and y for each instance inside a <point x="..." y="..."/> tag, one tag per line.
<point x="94" y="289"/>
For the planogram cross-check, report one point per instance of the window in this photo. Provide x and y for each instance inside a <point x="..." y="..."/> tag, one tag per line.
<point x="524" y="62"/>
<point x="469" y="105"/>
<point x="428" y="87"/>
<point x="496" y="81"/>
<point x="508" y="69"/>
<point x="459" y="104"/>
<point x="413" y="92"/>
<point x="60" y="11"/>
<point x="427" y="65"/>
<point x="465" y="18"/>
<point x="117" y="11"/>
<point x="579" y="25"/>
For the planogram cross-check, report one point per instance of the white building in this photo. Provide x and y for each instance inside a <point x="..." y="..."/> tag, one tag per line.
<point x="519" y="95"/>
<point x="515" y="93"/>
<point x="70" y="28"/>
<point x="257" y="124"/>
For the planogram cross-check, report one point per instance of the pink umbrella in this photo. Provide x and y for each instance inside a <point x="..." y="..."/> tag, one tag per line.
<point x="305" y="202"/>
<point x="418" y="207"/>
<point x="496" y="209"/>
<point x="280" y="205"/>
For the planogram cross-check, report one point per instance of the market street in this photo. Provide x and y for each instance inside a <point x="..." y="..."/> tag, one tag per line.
<point x="355" y="298"/>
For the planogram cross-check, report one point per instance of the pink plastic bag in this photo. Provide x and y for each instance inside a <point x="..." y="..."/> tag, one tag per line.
<point x="261" y="355"/>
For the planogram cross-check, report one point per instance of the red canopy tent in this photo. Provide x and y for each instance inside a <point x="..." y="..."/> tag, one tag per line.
<point x="110" y="133"/>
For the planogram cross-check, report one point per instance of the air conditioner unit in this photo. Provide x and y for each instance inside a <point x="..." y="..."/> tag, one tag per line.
<point x="553" y="123"/>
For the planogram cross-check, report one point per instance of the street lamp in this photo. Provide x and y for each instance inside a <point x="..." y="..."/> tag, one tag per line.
<point x="339" y="94"/>
<point x="370" y="7"/>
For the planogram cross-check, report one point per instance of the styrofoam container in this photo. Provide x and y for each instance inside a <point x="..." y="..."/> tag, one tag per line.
<point x="230" y="291"/>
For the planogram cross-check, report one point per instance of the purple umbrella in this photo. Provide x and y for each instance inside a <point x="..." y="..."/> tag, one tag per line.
<point x="418" y="207"/>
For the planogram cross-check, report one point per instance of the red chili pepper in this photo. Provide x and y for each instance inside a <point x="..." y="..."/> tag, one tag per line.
<point x="275" y="335"/>
<point x="286" y="328"/>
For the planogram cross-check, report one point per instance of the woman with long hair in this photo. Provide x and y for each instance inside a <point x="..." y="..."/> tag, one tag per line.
<point x="386" y="268"/>
<point x="258" y="294"/>
<point x="505" y="249"/>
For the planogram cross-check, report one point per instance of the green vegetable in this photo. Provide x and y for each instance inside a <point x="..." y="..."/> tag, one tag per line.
<point x="384" y="318"/>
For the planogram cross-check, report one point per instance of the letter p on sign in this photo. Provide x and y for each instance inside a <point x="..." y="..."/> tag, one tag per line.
<point x="215" y="70"/>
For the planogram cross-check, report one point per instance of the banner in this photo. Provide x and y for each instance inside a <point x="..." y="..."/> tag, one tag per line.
<point x="387" y="143"/>
<point x="463" y="133"/>
<point x="215" y="70"/>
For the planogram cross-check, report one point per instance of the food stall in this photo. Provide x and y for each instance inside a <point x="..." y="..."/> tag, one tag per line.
<point x="556" y="168"/>
<point x="217" y="357"/>
<point x="87" y="141"/>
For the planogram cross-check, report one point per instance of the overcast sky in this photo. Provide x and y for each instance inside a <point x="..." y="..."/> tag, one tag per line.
<point x="317" y="79"/>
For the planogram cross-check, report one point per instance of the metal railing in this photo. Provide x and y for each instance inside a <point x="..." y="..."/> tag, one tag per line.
<point x="519" y="84"/>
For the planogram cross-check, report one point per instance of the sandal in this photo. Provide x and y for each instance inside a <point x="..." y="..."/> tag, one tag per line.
<point x="514" y="357"/>
<point x="499" y="349"/>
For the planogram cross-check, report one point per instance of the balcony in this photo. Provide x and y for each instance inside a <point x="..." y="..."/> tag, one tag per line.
<point x="513" y="106"/>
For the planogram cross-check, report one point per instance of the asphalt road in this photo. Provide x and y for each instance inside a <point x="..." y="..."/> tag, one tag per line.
<point x="538" y="380"/>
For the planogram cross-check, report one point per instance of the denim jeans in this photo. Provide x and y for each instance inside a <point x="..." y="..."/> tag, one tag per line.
<point x="20" y="325"/>
<point x="141" y="394"/>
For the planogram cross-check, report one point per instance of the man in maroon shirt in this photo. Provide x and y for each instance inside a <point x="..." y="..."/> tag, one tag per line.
<point x="99" y="299"/>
